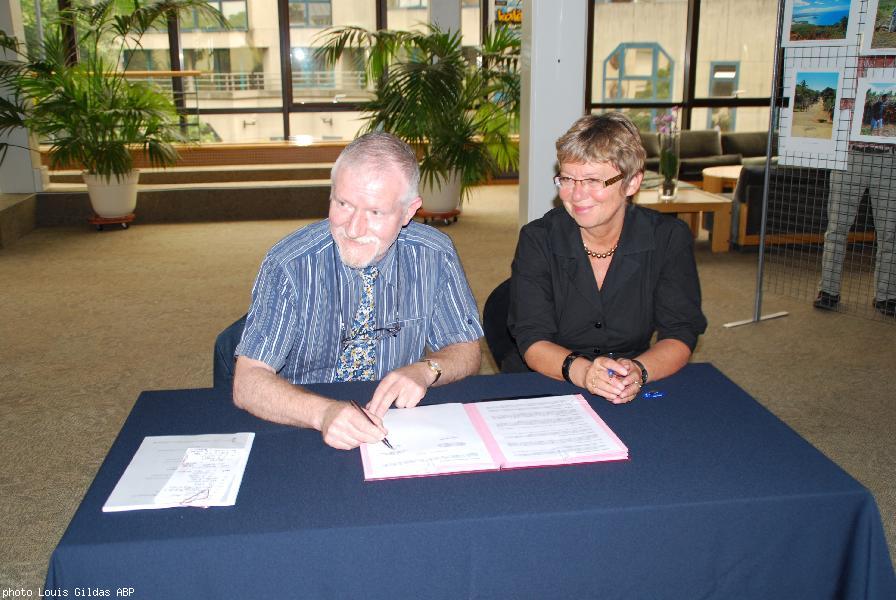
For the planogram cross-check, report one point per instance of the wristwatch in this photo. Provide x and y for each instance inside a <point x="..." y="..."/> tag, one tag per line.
<point x="434" y="367"/>
<point x="643" y="371"/>
<point x="567" y="363"/>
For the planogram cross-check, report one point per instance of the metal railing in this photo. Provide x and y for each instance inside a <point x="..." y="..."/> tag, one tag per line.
<point x="202" y="83"/>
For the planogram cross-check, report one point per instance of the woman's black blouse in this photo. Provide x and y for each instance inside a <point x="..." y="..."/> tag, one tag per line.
<point x="650" y="287"/>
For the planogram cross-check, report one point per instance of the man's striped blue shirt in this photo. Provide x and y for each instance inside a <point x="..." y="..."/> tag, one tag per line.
<point x="304" y="299"/>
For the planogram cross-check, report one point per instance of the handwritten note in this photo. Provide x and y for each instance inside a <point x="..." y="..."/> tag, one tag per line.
<point x="203" y="477"/>
<point x="183" y="470"/>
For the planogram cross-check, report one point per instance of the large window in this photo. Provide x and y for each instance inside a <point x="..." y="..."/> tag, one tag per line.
<point x="642" y="63"/>
<point x="639" y="60"/>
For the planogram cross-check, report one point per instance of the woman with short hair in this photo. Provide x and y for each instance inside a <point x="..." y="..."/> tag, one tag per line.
<point x="593" y="280"/>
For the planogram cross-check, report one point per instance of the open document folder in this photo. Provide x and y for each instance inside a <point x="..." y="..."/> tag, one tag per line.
<point x="486" y="436"/>
<point x="183" y="470"/>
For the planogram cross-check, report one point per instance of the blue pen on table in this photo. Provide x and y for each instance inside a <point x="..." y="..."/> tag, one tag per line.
<point x="366" y="416"/>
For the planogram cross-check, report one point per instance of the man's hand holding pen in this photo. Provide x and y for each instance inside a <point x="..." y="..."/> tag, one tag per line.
<point x="345" y="425"/>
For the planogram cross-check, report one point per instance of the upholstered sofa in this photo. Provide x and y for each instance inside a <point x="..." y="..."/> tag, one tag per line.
<point x="797" y="207"/>
<point x="751" y="146"/>
<point x="700" y="149"/>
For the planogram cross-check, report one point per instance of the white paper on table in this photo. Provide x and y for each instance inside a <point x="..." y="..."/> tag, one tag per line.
<point x="427" y="440"/>
<point x="170" y="471"/>
<point x="553" y="430"/>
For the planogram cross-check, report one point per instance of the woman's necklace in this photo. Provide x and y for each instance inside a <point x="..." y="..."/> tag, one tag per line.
<point x="594" y="254"/>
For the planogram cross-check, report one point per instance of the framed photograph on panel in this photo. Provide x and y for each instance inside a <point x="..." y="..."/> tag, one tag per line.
<point x="874" y="119"/>
<point x="820" y="22"/>
<point x="810" y="125"/>
<point x="879" y="30"/>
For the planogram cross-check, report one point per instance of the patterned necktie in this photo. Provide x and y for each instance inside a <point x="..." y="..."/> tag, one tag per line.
<point x="358" y="358"/>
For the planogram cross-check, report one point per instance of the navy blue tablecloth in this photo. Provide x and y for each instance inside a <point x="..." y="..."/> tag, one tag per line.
<point x="719" y="499"/>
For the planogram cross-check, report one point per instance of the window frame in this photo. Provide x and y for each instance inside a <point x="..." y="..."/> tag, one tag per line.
<point x="653" y="78"/>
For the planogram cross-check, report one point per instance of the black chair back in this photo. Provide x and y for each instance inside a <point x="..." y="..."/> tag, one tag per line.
<point x="223" y="360"/>
<point x="494" y="322"/>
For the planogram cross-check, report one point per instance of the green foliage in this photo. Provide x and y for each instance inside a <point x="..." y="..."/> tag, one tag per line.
<point x="806" y="31"/>
<point x="828" y="96"/>
<point x="457" y="114"/>
<point x="84" y="106"/>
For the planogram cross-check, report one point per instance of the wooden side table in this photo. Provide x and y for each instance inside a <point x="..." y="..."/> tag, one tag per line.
<point x="717" y="179"/>
<point x="692" y="202"/>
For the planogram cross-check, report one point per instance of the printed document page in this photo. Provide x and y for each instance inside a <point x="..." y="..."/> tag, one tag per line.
<point x="427" y="440"/>
<point x="546" y="431"/>
<point x="181" y="470"/>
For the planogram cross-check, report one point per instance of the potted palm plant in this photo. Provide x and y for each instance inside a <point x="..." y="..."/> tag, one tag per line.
<point x="458" y="112"/>
<point x="82" y="104"/>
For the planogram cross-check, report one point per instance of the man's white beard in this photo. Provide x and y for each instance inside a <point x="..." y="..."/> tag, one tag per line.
<point x="356" y="253"/>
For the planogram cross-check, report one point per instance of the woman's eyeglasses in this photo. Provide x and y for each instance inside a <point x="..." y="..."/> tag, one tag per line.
<point x="590" y="184"/>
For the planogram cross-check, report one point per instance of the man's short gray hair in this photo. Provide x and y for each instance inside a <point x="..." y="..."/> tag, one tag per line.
<point x="376" y="151"/>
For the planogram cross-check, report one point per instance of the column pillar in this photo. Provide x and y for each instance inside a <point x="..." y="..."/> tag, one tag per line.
<point x="20" y="171"/>
<point x="553" y="94"/>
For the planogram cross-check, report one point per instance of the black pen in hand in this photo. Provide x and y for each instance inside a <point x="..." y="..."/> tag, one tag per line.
<point x="366" y="416"/>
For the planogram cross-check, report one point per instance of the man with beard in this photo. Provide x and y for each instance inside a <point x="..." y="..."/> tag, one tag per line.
<point x="366" y="294"/>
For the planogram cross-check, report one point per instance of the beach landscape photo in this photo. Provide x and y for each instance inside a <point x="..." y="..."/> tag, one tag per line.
<point x="813" y="20"/>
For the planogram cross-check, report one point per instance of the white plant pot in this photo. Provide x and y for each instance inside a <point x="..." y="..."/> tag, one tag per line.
<point x="112" y="198"/>
<point x="444" y="197"/>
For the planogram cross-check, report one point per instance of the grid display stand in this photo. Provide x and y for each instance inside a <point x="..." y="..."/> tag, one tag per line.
<point x="829" y="205"/>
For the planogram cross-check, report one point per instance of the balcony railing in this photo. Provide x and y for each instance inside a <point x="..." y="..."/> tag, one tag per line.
<point x="246" y="89"/>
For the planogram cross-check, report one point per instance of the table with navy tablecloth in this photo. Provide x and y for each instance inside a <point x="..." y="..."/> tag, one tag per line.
<point x="719" y="499"/>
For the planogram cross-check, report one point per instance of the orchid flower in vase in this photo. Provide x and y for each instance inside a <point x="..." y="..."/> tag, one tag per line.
<point x="667" y="128"/>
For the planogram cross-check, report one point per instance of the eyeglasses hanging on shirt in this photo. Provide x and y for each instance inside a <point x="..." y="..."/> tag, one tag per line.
<point x="377" y="333"/>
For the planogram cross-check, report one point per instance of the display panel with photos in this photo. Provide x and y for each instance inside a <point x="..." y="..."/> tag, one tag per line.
<point x="879" y="29"/>
<point x="820" y="23"/>
<point x="874" y="119"/>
